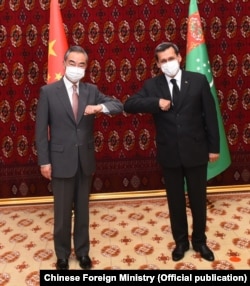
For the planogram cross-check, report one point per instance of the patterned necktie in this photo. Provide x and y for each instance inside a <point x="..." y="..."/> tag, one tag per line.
<point x="176" y="92"/>
<point x="75" y="101"/>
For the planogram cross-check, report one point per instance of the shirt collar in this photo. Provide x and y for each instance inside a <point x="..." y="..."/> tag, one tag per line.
<point x="177" y="77"/>
<point x="68" y="83"/>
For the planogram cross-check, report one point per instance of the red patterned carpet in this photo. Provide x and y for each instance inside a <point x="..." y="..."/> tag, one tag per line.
<point x="125" y="234"/>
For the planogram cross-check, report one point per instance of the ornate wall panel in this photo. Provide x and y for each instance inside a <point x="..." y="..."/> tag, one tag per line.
<point x="120" y="37"/>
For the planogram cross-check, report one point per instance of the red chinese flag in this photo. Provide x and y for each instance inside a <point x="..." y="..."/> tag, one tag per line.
<point x="57" y="43"/>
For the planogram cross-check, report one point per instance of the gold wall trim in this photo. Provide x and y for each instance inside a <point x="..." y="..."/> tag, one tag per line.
<point x="120" y="195"/>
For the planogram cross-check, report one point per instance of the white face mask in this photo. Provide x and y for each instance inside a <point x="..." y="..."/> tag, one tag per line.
<point x="74" y="74"/>
<point x="170" y="68"/>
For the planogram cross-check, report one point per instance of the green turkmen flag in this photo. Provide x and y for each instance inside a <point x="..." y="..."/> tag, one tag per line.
<point x="197" y="60"/>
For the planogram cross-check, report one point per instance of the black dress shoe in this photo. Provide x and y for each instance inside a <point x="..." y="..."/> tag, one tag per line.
<point x="62" y="264"/>
<point x="204" y="251"/>
<point x="179" y="251"/>
<point x="85" y="262"/>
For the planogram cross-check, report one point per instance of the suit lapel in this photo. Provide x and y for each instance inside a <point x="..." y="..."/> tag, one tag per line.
<point x="83" y="97"/>
<point x="164" y="88"/>
<point x="185" y="82"/>
<point x="62" y="94"/>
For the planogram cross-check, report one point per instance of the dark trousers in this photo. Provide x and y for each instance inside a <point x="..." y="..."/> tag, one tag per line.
<point x="71" y="196"/>
<point x="195" y="188"/>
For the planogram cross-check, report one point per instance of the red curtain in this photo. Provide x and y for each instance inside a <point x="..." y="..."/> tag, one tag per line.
<point x="120" y="37"/>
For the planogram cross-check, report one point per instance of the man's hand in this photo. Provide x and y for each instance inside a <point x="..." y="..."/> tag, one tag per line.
<point x="93" y="109"/>
<point x="164" y="104"/>
<point x="213" y="157"/>
<point x="46" y="171"/>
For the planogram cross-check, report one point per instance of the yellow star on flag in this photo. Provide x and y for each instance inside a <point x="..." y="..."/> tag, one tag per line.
<point x="51" y="48"/>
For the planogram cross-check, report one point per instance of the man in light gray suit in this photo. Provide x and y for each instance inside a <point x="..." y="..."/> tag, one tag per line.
<point x="66" y="152"/>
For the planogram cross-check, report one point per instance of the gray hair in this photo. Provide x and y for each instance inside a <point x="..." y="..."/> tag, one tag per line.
<point x="77" y="49"/>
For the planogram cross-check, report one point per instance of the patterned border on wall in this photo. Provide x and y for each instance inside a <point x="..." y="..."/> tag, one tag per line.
<point x="120" y="37"/>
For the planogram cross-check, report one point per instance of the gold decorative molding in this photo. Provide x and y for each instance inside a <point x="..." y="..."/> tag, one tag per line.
<point x="120" y="195"/>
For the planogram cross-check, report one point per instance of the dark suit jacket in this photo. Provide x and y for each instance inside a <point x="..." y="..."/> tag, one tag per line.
<point x="184" y="134"/>
<point x="67" y="138"/>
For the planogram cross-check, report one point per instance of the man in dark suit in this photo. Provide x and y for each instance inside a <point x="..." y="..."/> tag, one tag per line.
<point x="66" y="152"/>
<point x="187" y="137"/>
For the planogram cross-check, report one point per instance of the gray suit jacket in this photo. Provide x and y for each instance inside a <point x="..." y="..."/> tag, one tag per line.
<point x="184" y="134"/>
<point x="60" y="140"/>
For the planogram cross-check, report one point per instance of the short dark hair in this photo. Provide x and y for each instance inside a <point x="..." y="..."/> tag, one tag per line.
<point x="77" y="49"/>
<point x="164" y="46"/>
